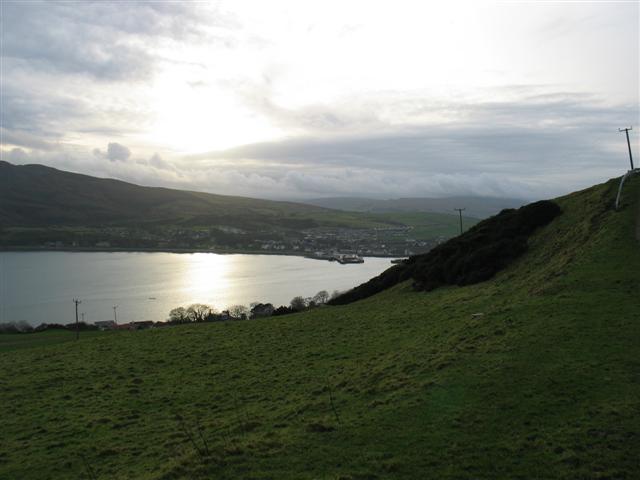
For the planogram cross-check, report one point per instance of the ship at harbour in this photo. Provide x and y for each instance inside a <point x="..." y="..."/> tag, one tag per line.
<point x="349" y="258"/>
<point x="343" y="258"/>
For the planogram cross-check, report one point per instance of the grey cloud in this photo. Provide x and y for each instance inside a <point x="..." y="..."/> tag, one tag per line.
<point x="316" y="118"/>
<point x="24" y="139"/>
<point x="46" y="47"/>
<point x="82" y="161"/>
<point x="287" y="181"/>
<point x="543" y="130"/>
<point x="156" y="161"/>
<point x="28" y="111"/>
<point x="539" y="147"/>
<point x="15" y="155"/>
<point x="108" y="41"/>
<point x="427" y="149"/>
<point x="117" y="152"/>
<point x="43" y="37"/>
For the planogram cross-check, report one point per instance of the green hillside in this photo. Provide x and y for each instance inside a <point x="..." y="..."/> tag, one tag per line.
<point x="533" y="374"/>
<point x="425" y="225"/>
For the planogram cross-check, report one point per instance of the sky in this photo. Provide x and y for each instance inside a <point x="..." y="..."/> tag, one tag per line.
<point x="294" y="100"/>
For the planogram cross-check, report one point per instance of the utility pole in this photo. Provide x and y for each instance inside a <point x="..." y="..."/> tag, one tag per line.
<point x="460" y="210"/>
<point x="626" y="131"/>
<point x="77" y="302"/>
<point x="115" y="315"/>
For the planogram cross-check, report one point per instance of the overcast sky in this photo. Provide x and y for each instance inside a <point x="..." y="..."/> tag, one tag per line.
<point x="299" y="99"/>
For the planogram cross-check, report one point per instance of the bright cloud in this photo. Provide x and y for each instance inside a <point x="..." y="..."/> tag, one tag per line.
<point x="293" y="99"/>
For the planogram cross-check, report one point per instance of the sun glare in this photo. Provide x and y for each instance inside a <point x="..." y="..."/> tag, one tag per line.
<point x="207" y="277"/>
<point x="197" y="116"/>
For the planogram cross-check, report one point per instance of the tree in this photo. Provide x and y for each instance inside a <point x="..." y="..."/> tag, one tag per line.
<point x="16" y="327"/>
<point x="239" y="312"/>
<point x="178" y="315"/>
<point x="336" y="294"/>
<point x="298" y="304"/>
<point x="321" y="297"/>
<point x="261" y="310"/>
<point x="282" y="310"/>
<point x="199" y="312"/>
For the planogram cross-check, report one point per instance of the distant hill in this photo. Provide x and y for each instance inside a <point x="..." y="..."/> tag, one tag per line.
<point x="37" y="195"/>
<point x="478" y="207"/>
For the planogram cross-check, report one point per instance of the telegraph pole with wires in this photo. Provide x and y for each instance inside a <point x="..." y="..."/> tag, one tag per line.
<point x="626" y="131"/>
<point x="115" y="315"/>
<point x="460" y="210"/>
<point x="77" y="302"/>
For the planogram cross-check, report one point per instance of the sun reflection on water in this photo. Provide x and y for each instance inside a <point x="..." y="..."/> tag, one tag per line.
<point x="206" y="277"/>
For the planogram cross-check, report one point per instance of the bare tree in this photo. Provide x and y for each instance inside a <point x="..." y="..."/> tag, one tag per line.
<point x="199" y="312"/>
<point x="298" y="304"/>
<point x="321" y="297"/>
<point x="261" y="310"/>
<point x="238" y="311"/>
<point x="178" y="315"/>
<point x="335" y="294"/>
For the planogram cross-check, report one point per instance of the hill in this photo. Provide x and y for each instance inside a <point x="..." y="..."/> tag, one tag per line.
<point x="37" y="195"/>
<point x="531" y="374"/>
<point x="41" y="206"/>
<point x="477" y="207"/>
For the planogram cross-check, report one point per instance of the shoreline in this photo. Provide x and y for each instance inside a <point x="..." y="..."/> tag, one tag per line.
<point x="171" y="250"/>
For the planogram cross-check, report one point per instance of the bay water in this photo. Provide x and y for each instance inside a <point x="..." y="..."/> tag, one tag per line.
<point x="39" y="287"/>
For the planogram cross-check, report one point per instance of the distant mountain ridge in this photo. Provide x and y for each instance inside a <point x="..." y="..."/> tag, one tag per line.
<point x="479" y="207"/>
<point x="40" y="195"/>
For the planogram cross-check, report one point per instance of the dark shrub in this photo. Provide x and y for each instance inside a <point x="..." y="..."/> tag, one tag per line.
<point x="282" y="310"/>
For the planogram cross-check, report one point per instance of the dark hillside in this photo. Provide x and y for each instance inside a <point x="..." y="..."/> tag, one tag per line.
<point x="36" y="195"/>
<point x="472" y="257"/>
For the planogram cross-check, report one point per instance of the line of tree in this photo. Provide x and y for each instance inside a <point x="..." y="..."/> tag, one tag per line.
<point x="197" y="312"/>
<point x="200" y="312"/>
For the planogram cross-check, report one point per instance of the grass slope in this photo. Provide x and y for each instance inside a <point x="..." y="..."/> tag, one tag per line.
<point x="543" y="384"/>
<point x="426" y="225"/>
<point x="10" y="342"/>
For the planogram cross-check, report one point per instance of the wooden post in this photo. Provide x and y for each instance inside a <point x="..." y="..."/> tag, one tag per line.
<point x="460" y="210"/>
<point x="626" y="131"/>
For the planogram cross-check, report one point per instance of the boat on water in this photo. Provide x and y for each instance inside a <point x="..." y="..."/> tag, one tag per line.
<point x="398" y="260"/>
<point x="342" y="258"/>
<point x="349" y="258"/>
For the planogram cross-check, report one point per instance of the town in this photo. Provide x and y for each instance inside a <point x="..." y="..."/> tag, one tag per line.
<point x="327" y="243"/>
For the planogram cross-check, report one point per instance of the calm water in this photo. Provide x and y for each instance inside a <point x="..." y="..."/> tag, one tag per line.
<point x="40" y="286"/>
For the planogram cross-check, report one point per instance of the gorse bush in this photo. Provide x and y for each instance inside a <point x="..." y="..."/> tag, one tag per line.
<point x="475" y="256"/>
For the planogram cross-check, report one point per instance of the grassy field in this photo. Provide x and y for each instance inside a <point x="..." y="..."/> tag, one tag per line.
<point x="534" y="374"/>
<point x="427" y="225"/>
<point x="10" y="342"/>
